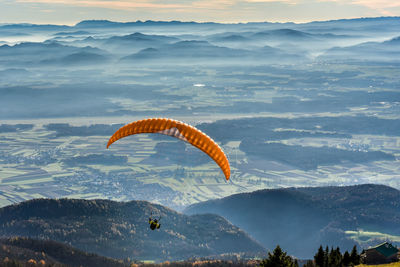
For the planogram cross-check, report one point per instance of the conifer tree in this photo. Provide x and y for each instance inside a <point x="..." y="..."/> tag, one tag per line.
<point x="278" y="258"/>
<point x="346" y="259"/>
<point x="335" y="258"/>
<point x="320" y="257"/>
<point x="326" y="256"/>
<point x="354" y="256"/>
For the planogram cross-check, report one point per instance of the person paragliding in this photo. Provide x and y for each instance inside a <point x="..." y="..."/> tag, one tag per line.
<point x="179" y="130"/>
<point x="154" y="223"/>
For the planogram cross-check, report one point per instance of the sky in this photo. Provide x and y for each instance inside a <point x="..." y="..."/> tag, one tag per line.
<point x="70" y="12"/>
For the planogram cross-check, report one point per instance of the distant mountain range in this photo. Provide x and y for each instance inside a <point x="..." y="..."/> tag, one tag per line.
<point x="94" y="42"/>
<point x="370" y="51"/>
<point x="286" y="34"/>
<point x="121" y="230"/>
<point x="186" y="50"/>
<point x="50" y="53"/>
<point x="302" y="219"/>
<point x="107" y="23"/>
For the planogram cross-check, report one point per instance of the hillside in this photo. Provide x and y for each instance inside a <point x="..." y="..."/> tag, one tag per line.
<point x="387" y="51"/>
<point x="20" y="250"/>
<point x="51" y="252"/>
<point x="120" y="229"/>
<point x="301" y="219"/>
<point x="185" y="50"/>
<point x="39" y="54"/>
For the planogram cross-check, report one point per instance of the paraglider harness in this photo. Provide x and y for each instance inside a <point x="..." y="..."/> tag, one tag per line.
<point x="154" y="223"/>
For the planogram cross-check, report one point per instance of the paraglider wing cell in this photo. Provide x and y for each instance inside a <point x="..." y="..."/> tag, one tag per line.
<point x="179" y="130"/>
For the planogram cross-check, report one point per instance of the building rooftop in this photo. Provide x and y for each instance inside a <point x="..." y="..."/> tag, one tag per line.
<point x="386" y="249"/>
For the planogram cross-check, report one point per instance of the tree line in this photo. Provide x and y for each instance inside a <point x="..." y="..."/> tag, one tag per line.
<point x="323" y="258"/>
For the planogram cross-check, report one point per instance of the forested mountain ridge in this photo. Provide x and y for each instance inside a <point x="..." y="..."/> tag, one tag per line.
<point x="300" y="219"/>
<point x="121" y="230"/>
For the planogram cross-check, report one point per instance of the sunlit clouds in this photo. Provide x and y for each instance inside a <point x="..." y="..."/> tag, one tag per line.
<point x="293" y="2"/>
<point x="123" y="4"/>
<point x="107" y="4"/>
<point x="383" y="6"/>
<point x="72" y="11"/>
<point x="380" y="6"/>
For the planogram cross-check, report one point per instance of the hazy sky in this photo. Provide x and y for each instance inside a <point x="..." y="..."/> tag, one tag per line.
<point x="73" y="11"/>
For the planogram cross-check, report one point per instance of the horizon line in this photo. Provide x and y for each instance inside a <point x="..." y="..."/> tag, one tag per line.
<point x="196" y="22"/>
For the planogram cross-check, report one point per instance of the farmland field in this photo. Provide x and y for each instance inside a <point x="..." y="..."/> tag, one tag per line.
<point x="53" y="159"/>
<point x="290" y="107"/>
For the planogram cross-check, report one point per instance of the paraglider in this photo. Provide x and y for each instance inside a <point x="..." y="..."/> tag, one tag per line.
<point x="179" y="130"/>
<point x="154" y="223"/>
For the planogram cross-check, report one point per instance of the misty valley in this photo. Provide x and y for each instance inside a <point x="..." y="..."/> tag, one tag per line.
<point x="294" y="106"/>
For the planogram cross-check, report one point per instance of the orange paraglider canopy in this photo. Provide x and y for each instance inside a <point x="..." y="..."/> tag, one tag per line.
<point x="179" y="130"/>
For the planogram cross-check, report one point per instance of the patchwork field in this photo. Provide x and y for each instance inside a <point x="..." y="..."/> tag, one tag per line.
<point x="309" y="104"/>
<point x="37" y="163"/>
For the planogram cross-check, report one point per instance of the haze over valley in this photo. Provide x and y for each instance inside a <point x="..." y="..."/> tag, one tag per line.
<point x="293" y="105"/>
<point x="319" y="100"/>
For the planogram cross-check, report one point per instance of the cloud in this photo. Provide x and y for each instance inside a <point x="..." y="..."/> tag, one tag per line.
<point x="220" y="4"/>
<point x="199" y="10"/>
<point x="210" y="4"/>
<point x="292" y="2"/>
<point x="155" y="6"/>
<point x="152" y="5"/>
<point x="378" y="5"/>
<point x="119" y="4"/>
<point x="382" y="6"/>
